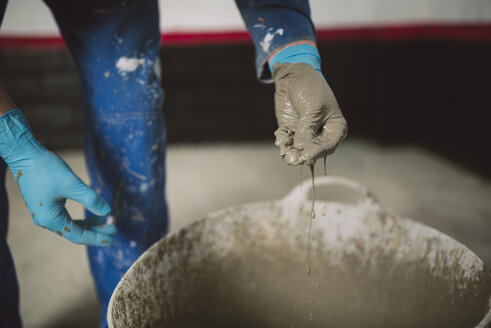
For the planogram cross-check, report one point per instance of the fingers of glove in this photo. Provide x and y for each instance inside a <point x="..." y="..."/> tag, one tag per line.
<point x="313" y="113"/>
<point x="312" y="152"/>
<point x="333" y="132"/>
<point x="80" y="235"/>
<point x="63" y="225"/>
<point x="97" y="224"/>
<point x="310" y="96"/>
<point x="84" y="195"/>
<point x="108" y="229"/>
<point x="303" y="136"/>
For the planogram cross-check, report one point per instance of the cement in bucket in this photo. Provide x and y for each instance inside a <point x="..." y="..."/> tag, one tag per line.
<point x="246" y="267"/>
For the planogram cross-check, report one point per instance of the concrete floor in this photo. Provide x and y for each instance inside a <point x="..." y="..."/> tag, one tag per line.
<point x="56" y="286"/>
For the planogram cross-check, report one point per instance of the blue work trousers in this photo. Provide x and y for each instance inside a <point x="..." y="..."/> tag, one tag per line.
<point x="115" y="45"/>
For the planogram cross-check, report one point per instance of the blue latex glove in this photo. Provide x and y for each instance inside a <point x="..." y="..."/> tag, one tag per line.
<point x="310" y="122"/>
<point x="46" y="182"/>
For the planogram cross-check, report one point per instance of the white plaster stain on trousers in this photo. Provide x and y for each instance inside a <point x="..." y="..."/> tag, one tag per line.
<point x="157" y="68"/>
<point x="127" y="65"/>
<point x="268" y="38"/>
<point x="143" y="187"/>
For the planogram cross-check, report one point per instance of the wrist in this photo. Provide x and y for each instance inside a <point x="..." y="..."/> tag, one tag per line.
<point x="302" y="53"/>
<point x="16" y="138"/>
<point x="6" y="103"/>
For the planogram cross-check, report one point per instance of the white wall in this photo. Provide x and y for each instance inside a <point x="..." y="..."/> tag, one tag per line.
<point x="31" y="17"/>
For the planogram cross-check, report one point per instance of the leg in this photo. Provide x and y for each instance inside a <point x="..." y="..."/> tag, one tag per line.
<point x="115" y="45"/>
<point x="9" y="290"/>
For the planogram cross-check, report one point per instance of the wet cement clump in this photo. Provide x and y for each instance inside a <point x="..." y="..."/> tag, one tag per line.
<point x="243" y="268"/>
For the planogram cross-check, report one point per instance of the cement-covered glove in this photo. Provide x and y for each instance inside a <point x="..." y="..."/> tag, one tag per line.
<point x="46" y="182"/>
<point x="310" y="123"/>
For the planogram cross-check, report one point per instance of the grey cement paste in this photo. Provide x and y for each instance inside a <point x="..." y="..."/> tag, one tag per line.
<point x="245" y="267"/>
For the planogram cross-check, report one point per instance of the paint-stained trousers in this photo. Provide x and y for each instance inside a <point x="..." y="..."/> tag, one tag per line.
<point x="115" y="45"/>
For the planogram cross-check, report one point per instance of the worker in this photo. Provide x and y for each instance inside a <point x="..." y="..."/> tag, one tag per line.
<point x="115" y="45"/>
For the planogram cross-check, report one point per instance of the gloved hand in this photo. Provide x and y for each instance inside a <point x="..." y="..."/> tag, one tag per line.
<point x="45" y="181"/>
<point x="310" y="123"/>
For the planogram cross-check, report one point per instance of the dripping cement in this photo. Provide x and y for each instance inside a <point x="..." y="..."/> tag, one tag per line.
<point x="312" y="211"/>
<point x="312" y="217"/>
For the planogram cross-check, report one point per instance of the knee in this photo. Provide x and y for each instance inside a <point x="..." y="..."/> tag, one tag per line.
<point x="126" y="84"/>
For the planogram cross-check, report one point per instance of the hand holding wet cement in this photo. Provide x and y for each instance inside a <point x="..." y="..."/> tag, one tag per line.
<point x="310" y="122"/>
<point x="46" y="182"/>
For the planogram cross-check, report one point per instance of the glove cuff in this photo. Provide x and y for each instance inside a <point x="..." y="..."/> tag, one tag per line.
<point x="303" y="53"/>
<point x="16" y="138"/>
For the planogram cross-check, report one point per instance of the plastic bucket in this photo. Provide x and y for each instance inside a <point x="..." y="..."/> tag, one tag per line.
<point x="245" y="266"/>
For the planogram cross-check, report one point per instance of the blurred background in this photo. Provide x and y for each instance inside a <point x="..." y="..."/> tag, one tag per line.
<point x="412" y="78"/>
